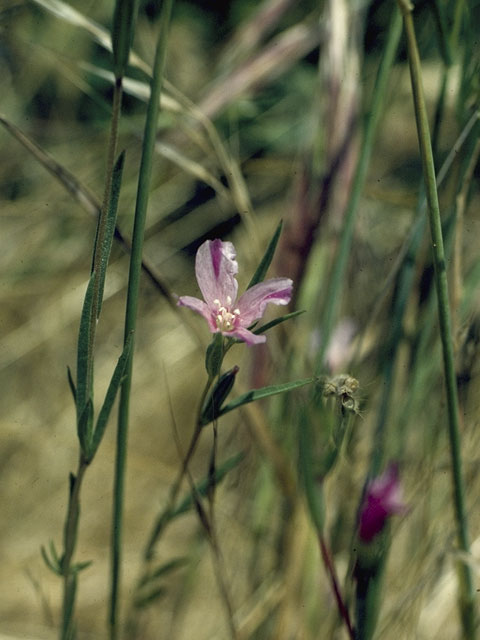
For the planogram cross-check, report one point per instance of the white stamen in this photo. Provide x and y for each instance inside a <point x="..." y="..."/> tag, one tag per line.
<point x="226" y="319"/>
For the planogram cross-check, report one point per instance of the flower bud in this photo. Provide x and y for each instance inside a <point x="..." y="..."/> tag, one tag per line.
<point x="218" y="396"/>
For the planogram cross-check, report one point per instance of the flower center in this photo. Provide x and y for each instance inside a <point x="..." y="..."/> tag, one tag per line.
<point x="224" y="317"/>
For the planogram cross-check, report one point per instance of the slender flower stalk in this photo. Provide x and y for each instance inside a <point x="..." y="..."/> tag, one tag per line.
<point x="467" y="590"/>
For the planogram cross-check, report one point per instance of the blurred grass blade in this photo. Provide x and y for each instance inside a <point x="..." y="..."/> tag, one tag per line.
<point x="65" y="12"/>
<point x="313" y="490"/>
<point x="110" y="396"/>
<point x="163" y="570"/>
<point x="169" y="514"/>
<point x="264" y="392"/>
<point x="335" y="282"/>
<point x="86" y="199"/>
<point x="273" y="323"/>
<point x="142" y="601"/>
<point x="109" y="228"/>
<point x="266" y="261"/>
<point x="123" y="29"/>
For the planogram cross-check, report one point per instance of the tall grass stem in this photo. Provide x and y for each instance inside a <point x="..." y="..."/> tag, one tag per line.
<point x="131" y="310"/>
<point x="467" y="591"/>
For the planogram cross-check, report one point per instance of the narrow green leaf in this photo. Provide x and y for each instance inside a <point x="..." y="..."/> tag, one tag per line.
<point x="273" y="323"/>
<point x="84" y="364"/>
<point x="123" y="29"/>
<point x="264" y="392"/>
<point x="262" y="268"/>
<point x="110" y="226"/>
<point x="163" y="570"/>
<point x="110" y="396"/>
<point x="54" y="554"/>
<point x="81" y="566"/>
<point x="71" y="384"/>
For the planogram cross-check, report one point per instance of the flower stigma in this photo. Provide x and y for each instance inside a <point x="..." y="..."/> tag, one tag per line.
<point x="225" y="319"/>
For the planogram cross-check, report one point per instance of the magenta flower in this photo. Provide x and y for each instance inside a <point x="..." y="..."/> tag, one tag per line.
<point x="383" y="498"/>
<point x="215" y="269"/>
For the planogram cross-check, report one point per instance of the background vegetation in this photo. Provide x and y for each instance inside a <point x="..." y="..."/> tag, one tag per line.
<point x="264" y="117"/>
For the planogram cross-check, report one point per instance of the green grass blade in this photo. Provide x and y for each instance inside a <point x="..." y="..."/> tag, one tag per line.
<point x="266" y="261"/>
<point x="335" y="282"/>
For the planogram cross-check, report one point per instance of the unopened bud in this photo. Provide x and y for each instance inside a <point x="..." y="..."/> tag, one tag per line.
<point x="213" y="404"/>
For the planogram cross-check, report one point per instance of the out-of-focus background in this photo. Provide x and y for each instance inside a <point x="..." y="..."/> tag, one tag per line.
<point x="262" y="121"/>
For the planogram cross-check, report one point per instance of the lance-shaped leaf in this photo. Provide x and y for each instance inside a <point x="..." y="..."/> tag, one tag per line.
<point x="258" y="394"/>
<point x="266" y="261"/>
<point x="273" y="323"/>
<point x="110" y="396"/>
<point x="84" y="364"/>
<point x="109" y="228"/>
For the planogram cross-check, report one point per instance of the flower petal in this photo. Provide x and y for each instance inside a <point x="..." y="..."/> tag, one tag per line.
<point x="215" y="268"/>
<point x="247" y="336"/>
<point x="253" y="302"/>
<point x="200" y="307"/>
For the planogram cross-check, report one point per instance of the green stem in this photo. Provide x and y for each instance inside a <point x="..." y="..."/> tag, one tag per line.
<point x="175" y="488"/>
<point x="132" y="307"/>
<point x="467" y="591"/>
<point x="73" y="512"/>
<point x="70" y="539"/>
<point x="338" y="270"/>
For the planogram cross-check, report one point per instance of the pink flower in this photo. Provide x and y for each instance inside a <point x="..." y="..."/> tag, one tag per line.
<point x="383" y="498"/>
<point x="215" y="269"/>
